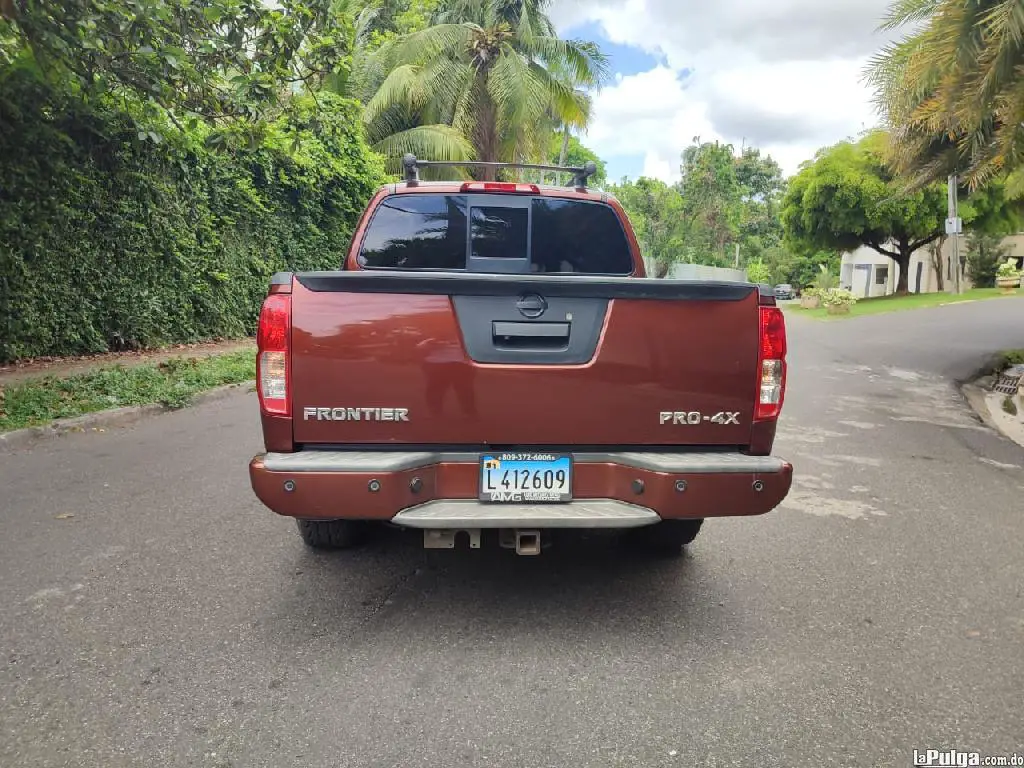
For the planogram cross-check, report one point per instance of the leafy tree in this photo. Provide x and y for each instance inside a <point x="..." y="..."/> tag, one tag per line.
<point x="721" y="199"/>
<point x="655" y="212"/>
<point x="214" y="59"/>
<point x="952" y="90"/>
<point x="576" y="155"/>
<point x="848" y="197"/>
<point x="758" y="272"/>
<point x="992" y="209"/>
<point x="711" y="193"/>
<point x="491" y="72"/>
<point x="761" y="189"/>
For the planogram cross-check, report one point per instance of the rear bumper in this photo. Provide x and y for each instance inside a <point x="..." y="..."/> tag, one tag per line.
<point x="439" y="490"/>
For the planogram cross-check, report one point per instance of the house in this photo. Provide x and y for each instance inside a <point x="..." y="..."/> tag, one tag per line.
<point x="868" y="273"/>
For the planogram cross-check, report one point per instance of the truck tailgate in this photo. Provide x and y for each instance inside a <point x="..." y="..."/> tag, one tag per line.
<point x="513" y="360"/>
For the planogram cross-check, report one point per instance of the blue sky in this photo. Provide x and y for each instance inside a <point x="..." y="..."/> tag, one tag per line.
<point x="623" y="60"/>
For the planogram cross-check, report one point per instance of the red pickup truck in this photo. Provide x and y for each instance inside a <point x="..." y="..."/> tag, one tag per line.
<point x="492" y="363"/>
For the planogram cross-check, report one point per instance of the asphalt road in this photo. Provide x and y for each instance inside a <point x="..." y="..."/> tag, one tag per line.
<point x="152" y="613"/>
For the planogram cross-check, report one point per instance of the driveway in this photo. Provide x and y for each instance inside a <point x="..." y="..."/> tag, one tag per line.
<point x="153" y="614"/>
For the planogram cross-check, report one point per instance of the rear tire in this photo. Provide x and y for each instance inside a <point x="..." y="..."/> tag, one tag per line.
<point x="667" y="538"/>
<point x="331" y="534"/>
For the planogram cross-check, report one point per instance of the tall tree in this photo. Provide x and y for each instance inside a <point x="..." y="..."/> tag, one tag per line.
<point x="402" y="127"/>
<point x="848" y="197"/>
<point x="492" y="73"/>
<point x="711" y="192"/>
<point x="951" y="90"/>
<point x="761" y="189"/>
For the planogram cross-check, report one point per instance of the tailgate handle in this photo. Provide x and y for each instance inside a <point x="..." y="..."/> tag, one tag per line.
<point x="510" y="335"/>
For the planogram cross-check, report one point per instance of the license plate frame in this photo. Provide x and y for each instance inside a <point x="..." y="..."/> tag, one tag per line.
<point x="489" y="482"/>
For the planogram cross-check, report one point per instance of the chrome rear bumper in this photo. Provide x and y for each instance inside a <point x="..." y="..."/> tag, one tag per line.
<point x="467" y="513"/>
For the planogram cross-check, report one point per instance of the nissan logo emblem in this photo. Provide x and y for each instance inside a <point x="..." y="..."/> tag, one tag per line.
<point x="531" y="305"/>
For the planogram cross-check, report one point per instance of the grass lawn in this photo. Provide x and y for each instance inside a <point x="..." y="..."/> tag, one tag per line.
<point x="172" y="383"/>
<point x="884" y="304"/>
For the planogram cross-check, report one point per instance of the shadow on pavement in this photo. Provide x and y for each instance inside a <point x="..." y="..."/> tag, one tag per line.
<point x="588" y="587"/>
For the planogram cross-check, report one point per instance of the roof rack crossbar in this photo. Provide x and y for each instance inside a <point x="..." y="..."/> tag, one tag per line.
<point x="579" y="174"/>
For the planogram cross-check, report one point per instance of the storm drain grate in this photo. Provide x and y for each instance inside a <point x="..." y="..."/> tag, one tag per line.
<point x="1008" y="382"/>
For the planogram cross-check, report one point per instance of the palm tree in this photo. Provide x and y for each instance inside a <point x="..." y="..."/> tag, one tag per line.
<point x="953" y="91"/>
<point x="401" y="128"/>
<point x="491" y="72"/>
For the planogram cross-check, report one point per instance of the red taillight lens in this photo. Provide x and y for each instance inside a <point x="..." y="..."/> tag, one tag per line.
<point x="273" y="361"/>
<point x="771" y="365"/>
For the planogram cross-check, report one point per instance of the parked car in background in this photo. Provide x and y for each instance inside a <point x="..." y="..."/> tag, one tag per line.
<point x="784" y="291"/>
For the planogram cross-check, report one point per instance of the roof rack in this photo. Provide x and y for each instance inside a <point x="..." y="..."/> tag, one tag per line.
<point x="579" y="174"/>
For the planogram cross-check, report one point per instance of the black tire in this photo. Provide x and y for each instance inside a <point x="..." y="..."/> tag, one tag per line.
<point x="331" y="534"/>
<point x="667" y="538"/>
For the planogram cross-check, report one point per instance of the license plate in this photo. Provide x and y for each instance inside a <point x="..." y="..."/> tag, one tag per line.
<point x="526" y="478"/>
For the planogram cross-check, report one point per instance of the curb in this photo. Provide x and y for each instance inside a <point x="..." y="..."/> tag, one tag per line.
<point x="975" y="397"/>
<point x="114" y="417"/>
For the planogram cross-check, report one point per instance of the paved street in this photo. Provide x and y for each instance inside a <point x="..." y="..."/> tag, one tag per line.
<point x="152" y="613"/>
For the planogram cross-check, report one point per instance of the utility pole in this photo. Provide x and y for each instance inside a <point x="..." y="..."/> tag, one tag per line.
<point x="954" y="226"/>
<point x="737" y="255"/>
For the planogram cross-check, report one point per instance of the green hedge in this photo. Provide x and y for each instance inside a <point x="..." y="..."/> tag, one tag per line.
<point x="114" y="238"/>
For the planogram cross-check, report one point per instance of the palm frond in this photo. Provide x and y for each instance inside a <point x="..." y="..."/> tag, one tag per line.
<point x="402" y="87"/>
<point x="520" y="95"/>
<point x="904" y="12"/>
<point x="582" y="62"/>
<point x="950" y="90"/>
<point x="491" y="71"/>
<point x="436" y="142"/>
<point x="432" y="42"/>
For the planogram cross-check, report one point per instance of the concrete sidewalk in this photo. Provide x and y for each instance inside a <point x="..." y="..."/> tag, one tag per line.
<point x="68" y="366"/>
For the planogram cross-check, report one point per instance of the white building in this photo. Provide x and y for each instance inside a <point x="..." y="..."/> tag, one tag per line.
<point x="868" y="273"/>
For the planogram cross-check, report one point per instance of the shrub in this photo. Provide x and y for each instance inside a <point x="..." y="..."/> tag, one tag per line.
<point x="824" y="281"/>
<point x="836" y="297"/>
<point x="1008" y="269"/>
<point x="115" y="238"/>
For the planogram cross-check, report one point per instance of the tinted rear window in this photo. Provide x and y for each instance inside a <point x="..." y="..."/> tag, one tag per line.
<point x="432" y="231"/>
<point x="417" y="232"/>
<point x="499" y="233"/>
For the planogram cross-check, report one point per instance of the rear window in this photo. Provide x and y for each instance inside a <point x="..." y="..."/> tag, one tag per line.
<point x="417" y="232"/>
<point x="499" y="233"/>
<point x="488" y="233"/>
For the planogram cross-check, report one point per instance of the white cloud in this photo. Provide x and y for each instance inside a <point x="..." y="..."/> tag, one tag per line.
<point x="785" y="76"/>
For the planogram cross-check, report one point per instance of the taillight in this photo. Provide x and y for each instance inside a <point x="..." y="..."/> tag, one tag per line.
<point x="273" y="363"/>
<point x="771" y="364"/>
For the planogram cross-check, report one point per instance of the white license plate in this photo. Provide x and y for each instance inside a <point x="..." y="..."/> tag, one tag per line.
<point x="526" y="478"/>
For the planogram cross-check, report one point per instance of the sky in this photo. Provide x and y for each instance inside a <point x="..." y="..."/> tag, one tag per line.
<point x="786" y="76"/>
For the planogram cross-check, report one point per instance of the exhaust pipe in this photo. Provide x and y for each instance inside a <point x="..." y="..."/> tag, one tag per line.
<point x="527" y="542"/>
